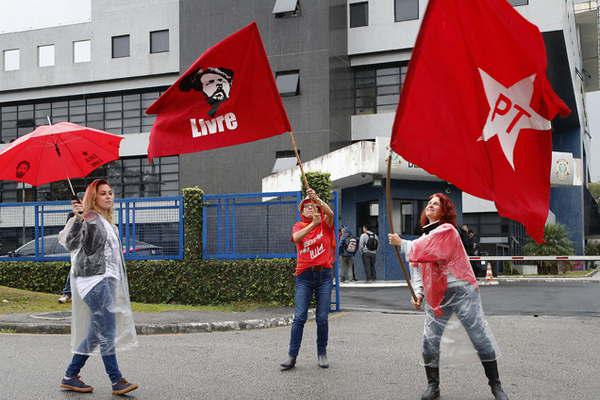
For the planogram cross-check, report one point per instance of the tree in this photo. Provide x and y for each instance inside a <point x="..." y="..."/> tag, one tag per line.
<point x="320" y="182"/>
<point x="556" y="243"/>
<point x="594" y="189"/>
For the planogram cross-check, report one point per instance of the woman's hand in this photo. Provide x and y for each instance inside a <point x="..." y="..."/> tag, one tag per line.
<point x="77" y="207"/>
<point x="316" y="219"/>
<point x="417" y="303"/>
<point x="394" y="239"/>
<point x="313" y="195"/>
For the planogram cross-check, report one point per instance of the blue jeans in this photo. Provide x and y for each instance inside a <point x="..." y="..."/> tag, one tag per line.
<point x="67" y="289"/>
<point x="464" y="300"/>
<point x="309" y="283"/>
<point x="102" y="330"/>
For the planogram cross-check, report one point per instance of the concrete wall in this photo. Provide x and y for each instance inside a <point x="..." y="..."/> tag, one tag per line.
<point x="306" y="43"/>
<point x="109" y="18"/>
<point x="384" y="34"/>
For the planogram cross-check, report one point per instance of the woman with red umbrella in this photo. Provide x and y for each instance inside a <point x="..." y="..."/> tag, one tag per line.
<point x="101" y="316"/>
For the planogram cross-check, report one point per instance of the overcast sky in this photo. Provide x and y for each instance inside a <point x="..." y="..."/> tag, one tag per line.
<point x="23" y="15"/>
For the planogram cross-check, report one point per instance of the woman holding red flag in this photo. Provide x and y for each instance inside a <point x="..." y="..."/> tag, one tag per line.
<point x="441" y="267"/>
<point x="314" y="237"/>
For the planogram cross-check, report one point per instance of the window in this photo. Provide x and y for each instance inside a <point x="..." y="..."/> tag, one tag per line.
<point x="12" y="59"/>
<point x="286" y="8"/>
<point x="159" y="41"/>
<point x="116" y="112"/>
<point x="519" y="2"/>
<point x="120" y="46"/>
<point x="288" y="82"/>
<point x="359" y="14"/>
<point x="82" y="51"/>
<point x="405" y="10"/>
<point x="46" y="56"/>
<point x="377" y="89"/>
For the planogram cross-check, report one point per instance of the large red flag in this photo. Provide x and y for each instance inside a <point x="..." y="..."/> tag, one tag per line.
<point x="477" y="105"/>
<point x="228" y="96"/>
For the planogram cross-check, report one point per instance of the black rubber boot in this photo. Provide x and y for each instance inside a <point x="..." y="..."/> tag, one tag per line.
<point x="288" y="364"/>
<point x="433" y="384"/>
<point x="491" y="371"/>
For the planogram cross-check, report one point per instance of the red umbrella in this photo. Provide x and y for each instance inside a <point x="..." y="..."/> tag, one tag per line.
<point x="55" y="152"/>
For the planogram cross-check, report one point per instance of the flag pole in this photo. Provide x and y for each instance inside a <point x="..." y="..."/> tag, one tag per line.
<point x="299" y="161"/>
<point x="388" y="201"/>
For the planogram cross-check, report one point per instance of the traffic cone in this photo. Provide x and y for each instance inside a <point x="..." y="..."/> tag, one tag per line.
<point x="489" y="276"/>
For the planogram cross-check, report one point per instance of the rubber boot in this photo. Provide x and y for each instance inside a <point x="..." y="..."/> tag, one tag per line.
<point x="433" y="384"/>
<point x="491" y="371"/>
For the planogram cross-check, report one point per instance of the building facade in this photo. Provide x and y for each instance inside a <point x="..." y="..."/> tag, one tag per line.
<point x="339" y="66"/>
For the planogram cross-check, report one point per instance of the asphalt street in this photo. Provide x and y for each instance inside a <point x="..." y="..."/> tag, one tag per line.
<point x="373" y="356"/>
<point x="516" y="298"/>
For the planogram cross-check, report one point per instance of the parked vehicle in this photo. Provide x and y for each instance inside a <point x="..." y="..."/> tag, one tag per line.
<point x="54" y="249"/>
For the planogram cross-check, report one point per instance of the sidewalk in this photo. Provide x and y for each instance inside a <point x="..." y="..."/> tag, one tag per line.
<point x="170" y="322"/>
<point x="594" y="276"/>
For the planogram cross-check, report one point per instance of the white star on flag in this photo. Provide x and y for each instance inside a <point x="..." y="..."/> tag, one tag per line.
<point x="510" y="111"/>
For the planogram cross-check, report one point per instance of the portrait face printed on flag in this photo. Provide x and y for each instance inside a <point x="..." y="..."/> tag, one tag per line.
<point x="22" y="169"/>
<point x="214" y="83"/>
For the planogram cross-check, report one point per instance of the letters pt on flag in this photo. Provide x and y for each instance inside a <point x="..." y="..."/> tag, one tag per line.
<point x="228" y="96"/>
<point x="477" y="105"/>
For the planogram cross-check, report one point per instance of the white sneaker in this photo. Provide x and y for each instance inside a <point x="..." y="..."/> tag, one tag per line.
<point x="64" y="299"/>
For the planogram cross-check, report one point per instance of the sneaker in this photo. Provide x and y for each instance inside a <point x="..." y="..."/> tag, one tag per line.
<point x="65" y="298"/>
<point x="75" y="385"/>
<point x="122" y="387"/>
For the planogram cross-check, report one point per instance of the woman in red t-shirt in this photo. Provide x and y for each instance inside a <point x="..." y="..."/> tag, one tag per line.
<point x="314" y="237"/>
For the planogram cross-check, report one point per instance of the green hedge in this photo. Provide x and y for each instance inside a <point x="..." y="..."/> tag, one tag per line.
<point x="193" y="202"/>
<point x="198" y="282"/>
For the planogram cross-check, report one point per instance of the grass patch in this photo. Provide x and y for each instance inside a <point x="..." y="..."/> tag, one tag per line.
<point x="24" y="301"/>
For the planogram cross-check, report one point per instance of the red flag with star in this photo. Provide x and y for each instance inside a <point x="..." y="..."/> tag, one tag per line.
<point x="226" y="97"/>
<point x="477" y="105"/>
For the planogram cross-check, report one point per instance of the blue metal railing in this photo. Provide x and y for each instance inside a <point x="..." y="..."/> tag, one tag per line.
<point x="150" y="228"/>
<point x="255" y="225"/>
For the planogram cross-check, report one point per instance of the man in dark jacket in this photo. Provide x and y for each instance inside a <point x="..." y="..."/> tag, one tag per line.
<point x="348" y="247"/>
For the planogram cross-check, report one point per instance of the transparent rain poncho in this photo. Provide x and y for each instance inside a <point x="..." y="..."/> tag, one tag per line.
<point x="101" y="320"/>
<point x="441" y="268"/>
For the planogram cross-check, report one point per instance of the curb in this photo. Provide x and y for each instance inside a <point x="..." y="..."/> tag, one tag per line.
<point x="163" y="329"/>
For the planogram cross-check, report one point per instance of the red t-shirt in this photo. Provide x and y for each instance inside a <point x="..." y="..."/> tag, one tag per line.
<point x="316" y="248"/>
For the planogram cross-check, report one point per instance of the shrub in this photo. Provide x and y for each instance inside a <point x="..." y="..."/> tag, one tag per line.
<point x="556" y="243"/>
<point x="192" y="203"/>
<point x="197" y="282"/>
<point x="321" y="183"/>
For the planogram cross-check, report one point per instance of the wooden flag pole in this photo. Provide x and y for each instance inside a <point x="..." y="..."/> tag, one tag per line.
<point x="388" y="201"/>
<point x="299" y="161"/>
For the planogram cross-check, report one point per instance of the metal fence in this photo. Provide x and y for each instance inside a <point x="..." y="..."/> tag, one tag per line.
<point x="150" y="229"/>
<point x="255" y="225"/>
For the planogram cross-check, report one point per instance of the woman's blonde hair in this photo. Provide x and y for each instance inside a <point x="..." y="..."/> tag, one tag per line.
<point x="89" y="200"/>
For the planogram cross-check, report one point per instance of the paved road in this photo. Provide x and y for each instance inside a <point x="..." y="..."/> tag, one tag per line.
<point x="372" y="355"/>
<point x="519" y="298"/>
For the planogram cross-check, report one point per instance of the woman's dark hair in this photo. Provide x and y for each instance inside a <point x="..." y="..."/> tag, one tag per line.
<point x="447" y="209"/>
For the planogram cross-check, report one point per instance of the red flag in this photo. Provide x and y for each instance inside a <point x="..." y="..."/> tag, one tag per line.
<point x="477" y="105"/>
<point x="228" y="96"/>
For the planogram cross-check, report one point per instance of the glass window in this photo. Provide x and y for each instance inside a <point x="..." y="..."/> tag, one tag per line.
<point x="82" y="51"/>
<point x="159" y="41"/>
<point x="359" y="14"/>
<point x="12" y="59"/>
<point x="288" y="82"/>
<point x="518" y="2"/>
<point x="377" y="89"/>
<point x="405" y="10"/>
<point x="286" y="8"/>
<point x="120" y="46"/>
<point x="46" y="55"/>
